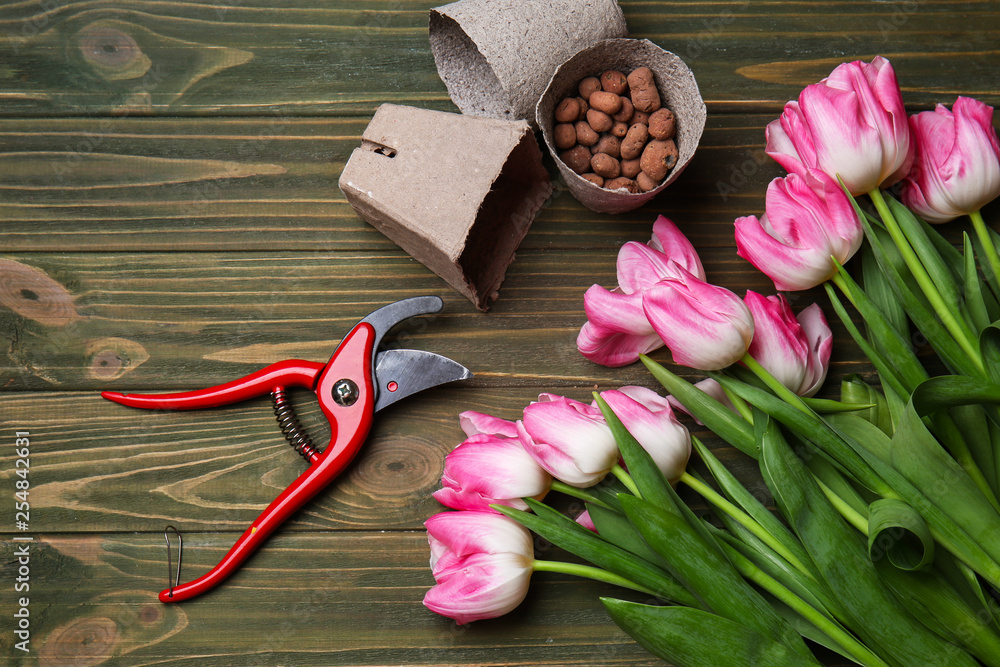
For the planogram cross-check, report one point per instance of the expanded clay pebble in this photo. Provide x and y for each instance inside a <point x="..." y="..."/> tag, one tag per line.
<point x="577" y="159"/>
<point x="614" y="82"/>
<point x="605" y="165"/>
<point x="589" y="86"/>
<point x="662" y="124"/>
<point x="564" y="135"/>
<point x="616" y="134"/>
<point x="643" y="89"/>
<point x="568" y="110"/>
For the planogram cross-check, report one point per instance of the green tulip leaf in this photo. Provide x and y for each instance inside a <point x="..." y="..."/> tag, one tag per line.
<point x="700" y="565"/>
<point x="840" y="554"/>
<point x="617" y="529"/>
<point x="989" y="346"/>
<point x="880" y="293"/>
<point x="565" y="533"/>
<point x="974" y="299"/>
<point x="916" y="305"/>
<point x="896" y="531"/>
<point x="739" y="495"/>
<point x="717" y="417"/>
<point x="692" y="638"/>
<point x="854" y="390"/>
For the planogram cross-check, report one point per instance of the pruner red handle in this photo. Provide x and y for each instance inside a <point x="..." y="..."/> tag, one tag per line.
<point x="347" y="395"/>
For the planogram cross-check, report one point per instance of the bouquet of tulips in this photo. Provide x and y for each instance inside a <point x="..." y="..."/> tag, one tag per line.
<point x="887" y="547"/>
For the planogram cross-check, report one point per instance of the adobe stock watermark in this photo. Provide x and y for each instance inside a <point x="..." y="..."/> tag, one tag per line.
<point x="21" y="564"/>
<point x="714" y="28"/>
<point x="739" y="173"/>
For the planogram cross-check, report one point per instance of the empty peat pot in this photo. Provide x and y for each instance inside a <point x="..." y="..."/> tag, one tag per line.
<point x="496" y="56"/>
<point x="456" y="192"/>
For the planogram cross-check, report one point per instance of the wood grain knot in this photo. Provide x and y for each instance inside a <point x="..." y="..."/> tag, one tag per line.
<point x="30" y="293"/>
<point x="393" y="468"/>
<point x="111" y="52"/>
<point x="80" y="643"/>
<point x="111" y="358"/>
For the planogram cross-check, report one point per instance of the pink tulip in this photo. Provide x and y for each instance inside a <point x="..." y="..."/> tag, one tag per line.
<point x="957" y="170"/>
<point x="809" y="219"/>
<point x="481" y="562"/>
<point x="584" y="520"/>
<point x="569" y="439"/>
<point x="489" y="469"/>
<point x="474" y="423"/>
<point x="796" y="351"/>
<point x="616" y="331"/>
<point x="651" y="420"/>
<point x="850" y="124"/>
<point x="705" y="326"/>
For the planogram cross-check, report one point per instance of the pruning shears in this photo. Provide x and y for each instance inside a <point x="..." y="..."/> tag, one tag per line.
<point x="358" y="381"/>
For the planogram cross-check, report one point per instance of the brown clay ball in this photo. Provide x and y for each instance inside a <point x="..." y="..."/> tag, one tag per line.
<point x="585" y="134"/>
<point x="646" y="183"/>
<point x="631" y="168"/>
<point x="609" y="145"/>
<point x="614" y="81"/>
<point x="619" y="129"/>
<point x="642" y="86"/>
<point x="605" y="165"/>
<point x="599" y="121"/>
<point x="593" y="178"/>
<point x="662" y="124"/>
<point x="621" y="182"/>
<point x="568" y="110"/>
<point x="589" y="86"/>
<point x="634" y="141"/>
<point x="564" y="136"/>
<point x="609" y="103"/>
<point x="658" y="158"/>
<point x="625" y="113"/>
<point x="577" y="159"/>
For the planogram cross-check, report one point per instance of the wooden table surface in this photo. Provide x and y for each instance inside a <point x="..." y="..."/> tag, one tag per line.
<point x="170" y="219"/>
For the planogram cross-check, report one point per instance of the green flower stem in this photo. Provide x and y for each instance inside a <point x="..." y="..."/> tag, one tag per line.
<point x="626" y="479"/>
<point x="861" y="653"/>
<point x="984" y="237"/>
<point x="959" y="330"/>
<point x="588" y="572"/>
<point x="744" y="519"/>
<point x="741" y="406"/>
<point x="775" y="385"/>
<point x="562" y="487"/>
<point x="849" y="513"/>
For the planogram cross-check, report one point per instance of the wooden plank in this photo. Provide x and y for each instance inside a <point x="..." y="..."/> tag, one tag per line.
<point x="135" y="185"/>
<point x="97" y="467"/>
<point x="177" y="320"/>
<point x="266" y="184"/>
<point x="345" y="58"/>
<point x="317" y="599"/>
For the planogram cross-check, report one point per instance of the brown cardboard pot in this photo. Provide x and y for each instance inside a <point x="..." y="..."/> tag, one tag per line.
<point x="678" y="91"/>
<point x="456" y="192"/>
<point x="496" y="56"/>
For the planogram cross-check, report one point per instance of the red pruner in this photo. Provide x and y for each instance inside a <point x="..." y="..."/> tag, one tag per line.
<point x="358" y="381"/>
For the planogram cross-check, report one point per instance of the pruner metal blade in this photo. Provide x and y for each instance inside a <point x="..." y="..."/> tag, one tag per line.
<point x="402" y="373"/>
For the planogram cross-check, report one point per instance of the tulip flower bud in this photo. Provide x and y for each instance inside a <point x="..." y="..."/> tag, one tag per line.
<point x="650" y="419"/>
<point x="809" y="219"/>
<point x="482" y="563"/>
<point x="569" y="439"/>
<point x="705" y="326"/>
<point x="957" y="170"/>
<point x="491" y="470"/>
<point x="796" y="351"/>
<point x="851" y="124"/>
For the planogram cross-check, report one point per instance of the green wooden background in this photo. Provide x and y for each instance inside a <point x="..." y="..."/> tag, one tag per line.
<point x="170" y="219"/>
